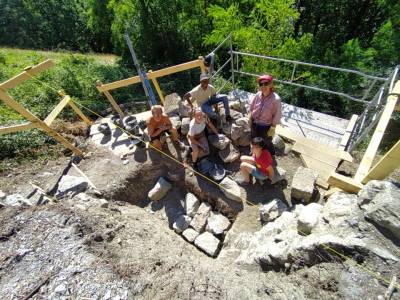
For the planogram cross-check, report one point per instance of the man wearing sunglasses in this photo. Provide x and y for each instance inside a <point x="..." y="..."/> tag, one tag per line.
<point x="265" y="112"/>
<point x="205" y="96"/>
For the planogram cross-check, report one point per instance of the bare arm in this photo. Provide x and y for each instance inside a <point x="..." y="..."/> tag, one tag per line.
<point x="212" y="126"/>
<point x="270" y="172"/>
<point x="187" y="97"/>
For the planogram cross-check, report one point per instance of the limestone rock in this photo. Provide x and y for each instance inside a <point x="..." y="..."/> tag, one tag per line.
<point x="229" y="154"/>
<point x="71" y="186"/>
<point x="236" y="132"/>
<point x="172" y="103"/>
<point x="218" y="143"/>
<point x="190" y="235"/>
<point x="244" y="139"/>
<point x="160" y="189"/>
<point x="191" y="205"/>
<point x="185" y="111"/>
<point x="303" y="183"/>
<point x="384" y="210"/>
<point x="308" y="217"/>
<point x="237" y="105"/>
<point x="371" y="189"/>
<point x="17" y="200"/>
<point x="185" y="126"/>
<point x="226" y="129"/>
<point x="200" y="219"/>
<point x="217" y="223"/>
<point x="243" y="122"/>
<point x="271" y="210"/>
<point x="279" y="174"/>
<point x="182" y="223"/>
<point x="339" y="209"/>
<point x="208" y="243"/>
<point x="278" y="142"/>
<point x="231" y="189"/>
<point x="175" y="120"/>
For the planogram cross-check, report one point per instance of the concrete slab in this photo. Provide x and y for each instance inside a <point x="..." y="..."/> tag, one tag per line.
<point x="313" y="125"/>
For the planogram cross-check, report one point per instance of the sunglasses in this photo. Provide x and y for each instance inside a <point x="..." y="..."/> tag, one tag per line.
<point x="264" y="83"/>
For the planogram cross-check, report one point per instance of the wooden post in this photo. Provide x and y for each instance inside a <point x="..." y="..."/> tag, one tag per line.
<point x="201" y="65"/>
<point x="111" y="99"/>
<point x="387" y="164"/>
<point x="154" y="79"/>
<point x="376" y="139"/>
<point x="31" y="117"/>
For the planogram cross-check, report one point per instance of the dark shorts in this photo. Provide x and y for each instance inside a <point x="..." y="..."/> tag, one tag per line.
<point x="157" y="137"/>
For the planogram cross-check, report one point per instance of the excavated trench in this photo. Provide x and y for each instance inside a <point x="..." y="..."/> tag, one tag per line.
<point x="137" y="186"/>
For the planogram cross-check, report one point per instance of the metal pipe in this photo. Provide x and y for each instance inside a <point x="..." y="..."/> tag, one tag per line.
<point x="219" y="46"/>
<point x="215" y="74"/>
<point x="313" y="65"/>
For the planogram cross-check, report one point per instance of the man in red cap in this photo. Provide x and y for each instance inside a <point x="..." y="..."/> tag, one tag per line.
<point x="265" y="112"/>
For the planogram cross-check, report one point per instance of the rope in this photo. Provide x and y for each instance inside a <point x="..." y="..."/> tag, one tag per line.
<point x="190" y="168"/>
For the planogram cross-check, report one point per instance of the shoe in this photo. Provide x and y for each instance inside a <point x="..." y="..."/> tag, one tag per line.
<point x="242" y="182"/>
<point x="262" y="181"/>
<point x="228" y="118"/>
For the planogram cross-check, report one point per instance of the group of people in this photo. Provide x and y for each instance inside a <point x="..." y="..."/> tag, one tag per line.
<point x="265" y="115"/>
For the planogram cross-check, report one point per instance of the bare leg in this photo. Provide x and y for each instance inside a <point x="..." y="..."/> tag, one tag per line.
<point x="157" y="144"/>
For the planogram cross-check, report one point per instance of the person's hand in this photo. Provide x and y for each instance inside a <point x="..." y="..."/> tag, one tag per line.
<point x="191" y="106"/>
<point x="249" y="121"/>
<point x="271" y="131"/>
<point x="274" y="180"/>
<point x="221" y="136"/>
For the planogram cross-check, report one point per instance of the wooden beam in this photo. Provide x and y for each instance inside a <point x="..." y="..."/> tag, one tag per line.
<point x="20" y="127"/>
<point x="349" y="130"/>
<point x="322" y="147"/>
<point x="153" y="75"/>
<point x="24" y="75"/>
<point x="31" y="117"/>
<point x="111" y="99"/>
<point x="160" y="94"/>
<point x="326" y="158"/>
<point x="345" y="183"/>
<point x="50" y="118"/>
<point x="376" y="139"/>
<point x="387" y="164"/>
<point x="78" y="111"/>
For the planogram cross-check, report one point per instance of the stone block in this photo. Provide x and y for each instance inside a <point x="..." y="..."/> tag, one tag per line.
<point x="303" y="184"/>
<point x="200" y="218"/>
<point x="208" y="243"/>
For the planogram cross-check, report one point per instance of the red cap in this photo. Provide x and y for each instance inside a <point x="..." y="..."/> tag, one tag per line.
<point x="265" y="77"/>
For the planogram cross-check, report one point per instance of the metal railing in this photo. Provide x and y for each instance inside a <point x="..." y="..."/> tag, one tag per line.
<point x="367" y="119"/>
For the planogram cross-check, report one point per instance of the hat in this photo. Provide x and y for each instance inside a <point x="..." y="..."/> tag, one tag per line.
<point x="265" y="77"/>
<point x="204" y="76"/>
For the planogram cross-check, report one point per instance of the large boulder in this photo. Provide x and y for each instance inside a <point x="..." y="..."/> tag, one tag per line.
<point x="303" y="183"/>
<point x="236" y="132"/>
<point x="192" y="204"/>
<point x="199" y="220"/>
<point x="244" y="139"/>
<point x="219" y="143"/>
<point x="70" y="186"/>
<point x="278" y="142"/>
<point x="17" y="200"/>
<point x="217" y="223"/>
<point x="172" y="103"/>
<point x="182" y="223"/>
<point x="371" y="189"/>
<point x="190" y="235"/>
<point x="175" y="120"/>
<point x="244" y="122"/>
<point x="208" y="243"/>
<point x="308" y="217"/>
<point x="229" y="154"/>
<point x="231" y="189"/>
<point x="185" y="126"/>
<point x="160" y="189"/>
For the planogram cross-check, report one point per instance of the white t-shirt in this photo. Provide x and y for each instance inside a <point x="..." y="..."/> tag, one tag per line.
<point x="201" y="96"/>
<point x="195" y="128"/>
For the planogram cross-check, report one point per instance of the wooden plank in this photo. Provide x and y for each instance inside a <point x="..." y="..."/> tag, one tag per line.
<point x="376" y="139"/>
<point x="333" y="190"/>
<point x="153" y="75"/>
<point x="345" y="183"/>
<point x="78" y="111"/>
<point x="322" y="169"/>
<point x="349" y="130"/>
<point x="316" y="154"/>
<point x="160" y="94"/>
<point x="9" y="84"/>
<point x="316" y="145"/>
<point x="19" y="127"/>
<point x="387" y="164"/>
<point x="50" y="118"/>
<point x="111" y="99"/>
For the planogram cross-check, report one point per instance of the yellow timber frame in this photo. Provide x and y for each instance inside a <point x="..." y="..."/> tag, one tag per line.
<point x="153" y="75"/>
<point x="386" y="165"/>
<point x="35" y="121"/>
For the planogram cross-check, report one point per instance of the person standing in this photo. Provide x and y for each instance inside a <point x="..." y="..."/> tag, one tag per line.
<point x="265" y="112"/>
<point x="205" y="96"/>
<point x="159" y="122"/>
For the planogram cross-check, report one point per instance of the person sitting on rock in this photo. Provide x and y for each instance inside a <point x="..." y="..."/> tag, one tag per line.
<point x="159" y="122"/>
<point x="205" y="96"/>
<point x="259" y="165"/>
<point x="196" y="135"/>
